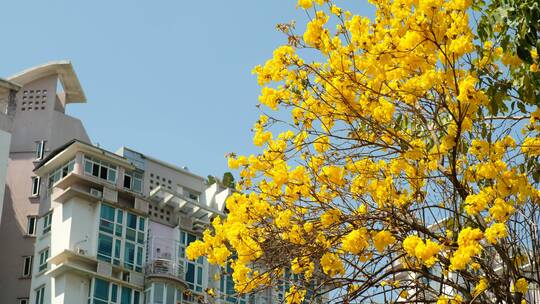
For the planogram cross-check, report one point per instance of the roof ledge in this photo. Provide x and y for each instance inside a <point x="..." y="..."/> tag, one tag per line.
<point x="66" y="74"/>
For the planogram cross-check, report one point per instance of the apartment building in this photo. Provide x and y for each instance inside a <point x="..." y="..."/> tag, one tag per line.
<point x="36" y="118"/>
<point x="7" y="112"/>
<point x="86" y="225"/>
<point x="113" y="228"/>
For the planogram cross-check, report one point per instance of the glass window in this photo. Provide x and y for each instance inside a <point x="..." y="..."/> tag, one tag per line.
<point x="194" y="270"/>
<point x="132" y="221"/>
<point x="60" y="173"/>
<point x="136" y="297"/>
<point x="47" y="221"/>
<point x="141" y="223"/>
<point x="107" y="212"/>
<point x="27" y="266"/>
<point x="104" y="173"/>
<point x="100" y="169"/>
<point x="191" y="194"/>
<point x="114" y="292"/>
<point x="88" y="167"/>
<point x="127" y="181"/>
<point x="158" y="293"/>
<point x="190" y="273"/>
<point x="119" y="235"/>
<point x="105" y="292"/>
<point x="105" y="247"/>
<point x="40" y="295"/>
<point x="111" y="176"/>
<point x="147" y="298"/>
<point x="40" y="149"/>
<point x="35" y="185"/>
<point x="31" y="226"/>
<point x="101" y="289"/>
<point x="133" y="181"/>
<point x="126" y="296"/>
<point x="129" y="255"/>
<point x="170" y="294"/>
<point x="43" y="257"/>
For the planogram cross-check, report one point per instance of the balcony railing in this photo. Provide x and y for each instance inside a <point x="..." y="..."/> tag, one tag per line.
<point x="165" y="267"/>
<point x="163" y="258"/>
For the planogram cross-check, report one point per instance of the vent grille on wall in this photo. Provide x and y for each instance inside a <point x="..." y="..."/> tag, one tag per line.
<point x="33" y="100"/>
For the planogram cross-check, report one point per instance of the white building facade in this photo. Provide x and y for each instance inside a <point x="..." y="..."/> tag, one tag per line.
<point x="113" y="228"/>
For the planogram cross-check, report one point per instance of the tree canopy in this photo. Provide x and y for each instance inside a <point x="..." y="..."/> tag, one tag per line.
<point x="402" y="165"/>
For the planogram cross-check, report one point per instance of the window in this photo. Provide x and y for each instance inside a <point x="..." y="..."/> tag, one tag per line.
<point x="163" y="293"/>
<point x="43" y="257"/>
<point x="133" y="181"/>
<point x="31" y="226"/>
<point x="100" y="169"/>
<point x="227" y="287"/>
<point x="47" y="220"/>
<point x="191" y="194"/>
<point x="27" y="266"/>
<point x="194" y="270"/>
<point x="23" y="301"/>
<point x="40" y="149"/>
<point x="35" y="185"/>
<point x="105" y="292"/>
<point x="121" y="238"/>
<point x="60" y="173"/>
<point x="40" y="295"/>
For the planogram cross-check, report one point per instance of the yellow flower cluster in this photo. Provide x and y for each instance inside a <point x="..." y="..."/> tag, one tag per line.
<point x="382" y="239"/>
<point x="531" y="146"/>
<point x="387" y="127"/>
<point x="295" y="295"/>
<point x="480" y="287"/>
<point x="469" y="247"/>
<point x="495" y="232"/>
<point x="356" y="241"/>
<point x="521" y="286"/>
<point x="443" y="299"/>
<point x="426" y="252"/>
<point x="331" y="264"/>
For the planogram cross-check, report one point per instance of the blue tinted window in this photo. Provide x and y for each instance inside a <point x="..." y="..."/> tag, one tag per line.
<point x="105" y="246"/>
<point x="101" y="290"/>
<point x="132" y="221"/>
<point x="114" y="292"/>
<point x="107" y="213"/>
<point x="190" y="274"/>
<point x="126" y="296"/>
<point x="190" y="238"/>
<point x="129" y="256"/>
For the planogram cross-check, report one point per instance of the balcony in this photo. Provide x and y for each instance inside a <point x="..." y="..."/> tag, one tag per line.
<point x="163" y="260"/>
<point x="164" y="267"/>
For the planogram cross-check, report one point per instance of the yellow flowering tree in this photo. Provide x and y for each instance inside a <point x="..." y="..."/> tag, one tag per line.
<point x="386" y="171"/>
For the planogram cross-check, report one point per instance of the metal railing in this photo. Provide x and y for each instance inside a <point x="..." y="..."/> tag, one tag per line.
<point x="165" y="267"/>
<point x="163" y="258"/>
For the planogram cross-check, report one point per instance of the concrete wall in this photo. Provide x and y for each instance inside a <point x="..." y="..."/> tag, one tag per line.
<point x="43" y="119"/>
<point x="18" y="205"/>
<point x="5" y="139"/>
<point x="74" y="225"/>
<point x="71" y="288"/>
<point x="177" y="178"/>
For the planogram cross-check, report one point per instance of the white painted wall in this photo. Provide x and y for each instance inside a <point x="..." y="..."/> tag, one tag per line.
<point x="73" y="226"/>
<point x="76" y="226"/>
<point x="71" y="288"/>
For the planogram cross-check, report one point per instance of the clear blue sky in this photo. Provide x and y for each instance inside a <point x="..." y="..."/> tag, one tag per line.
<point x="169" y="78"/>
